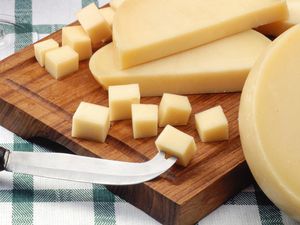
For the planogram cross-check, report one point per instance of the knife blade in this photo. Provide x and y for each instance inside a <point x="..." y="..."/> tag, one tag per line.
<point x="84" y="169"/>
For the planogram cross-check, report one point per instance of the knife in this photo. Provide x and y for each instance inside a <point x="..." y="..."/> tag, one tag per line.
<point x="84" y="169"/>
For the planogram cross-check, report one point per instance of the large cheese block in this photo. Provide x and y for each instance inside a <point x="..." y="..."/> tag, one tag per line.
<point x="151" y="29"/>
<point x="279" y="27"/>
<point x="221" y="66"/>
<point x="269" y="122"/>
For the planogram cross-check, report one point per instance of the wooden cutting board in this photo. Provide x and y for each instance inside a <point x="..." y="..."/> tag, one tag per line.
<point x="33" y="104"/>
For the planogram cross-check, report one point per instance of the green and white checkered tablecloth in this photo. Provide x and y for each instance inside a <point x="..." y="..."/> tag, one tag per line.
<point x="28" y="200"/>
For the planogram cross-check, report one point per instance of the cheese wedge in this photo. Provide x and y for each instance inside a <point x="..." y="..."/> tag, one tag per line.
<point x="151" y="29"/>
<point x="221" y="66"/>
<point x="269" y="122"/>
<point x="276" y="28"/>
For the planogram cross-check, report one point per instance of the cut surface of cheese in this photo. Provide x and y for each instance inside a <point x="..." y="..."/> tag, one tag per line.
<point x="61" y="62"/>
<point x="120" y="99"/>
<point x="94" y="24"/>
<point x="279" y="27"/>
<point x="115" y="4"/>
<point x="221" y="66"/>
<point x="212" y="124"/>
<point x="91" y="122"/>
<point x="108" y="14"/>
<point x="269" y="121"/>
<point x="42" y="47"/>
<point x="176" y="143"/>
<point x="78" y="39"/>
<point x="174" y="110"/>
<point x="151" y="29"/>
<point x="144" y="120"/>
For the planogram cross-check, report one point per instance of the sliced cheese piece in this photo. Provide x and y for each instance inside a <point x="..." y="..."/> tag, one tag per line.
<point x="276" y="28"/>
<point x="120" y="99"/>
<point x="42" y="47"/>
<point x="176" y="143"/>
<point x="77" y="38"/>
<point x="94" y="24"/>
<point x="108" y="14"/>
<point x="212" y="124"/>
<point x="221" y="66"/>
<point x="115" y="4"/>
<point x="174" y="110"/>
<point x="269" y="122"/>
<point x="150" y="29"/>
<point x="91" y="122"/>
<point x="61" y="62"/>
<point x="144" y="120"/>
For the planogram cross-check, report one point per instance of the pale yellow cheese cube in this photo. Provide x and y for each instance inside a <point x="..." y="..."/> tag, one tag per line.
<point x="61" y="61"/>
<point x="108" y="14"/>
<point x="78" y="39"/>
<point x="144" y="120"/>
<point x="120" y="98"/>
<point x="176" y="143"/>
<point x="174" y="110"/>
<point x="91" y="122"/>
<point x="94" y="24"/>
<point x="42" y="47"/>
<point x="115" y="4"/>
<point x="212" y="125"/>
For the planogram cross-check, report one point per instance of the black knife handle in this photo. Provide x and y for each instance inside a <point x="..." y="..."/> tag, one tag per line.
<point x="2" y="158"/>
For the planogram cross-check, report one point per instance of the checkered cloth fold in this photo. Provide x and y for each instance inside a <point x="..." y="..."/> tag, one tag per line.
<point x="32" y="200"/>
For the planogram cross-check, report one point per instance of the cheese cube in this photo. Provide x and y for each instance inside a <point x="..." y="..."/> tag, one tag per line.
<point x="94" y="24"/>
<point x="61" y="61"/>
<point x="176" y="143"/>
<point x="115" y="4"/>
<point x="42" y="47"/>
<point x="91" y="122"/>
<point x="144" y="120"/>
<point x="120" y="98"/>
<point x="212" y="124"/>
<point x="108" y="14"/>
<point x="174" y="110"/>
<point x="78" y="39"/>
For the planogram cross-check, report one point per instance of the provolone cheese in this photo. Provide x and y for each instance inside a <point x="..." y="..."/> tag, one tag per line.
<point x="115" y="4"/>
<point x="150" y="29"/>
<point x="108" y="14"/>
<point x="91" y="122"/>
<point x="279" y="27"/>
<point x="176" y="143"/>
<point x="269" y="122"/>
<point x="221" y="66"/>
<point x="42" y="47"/>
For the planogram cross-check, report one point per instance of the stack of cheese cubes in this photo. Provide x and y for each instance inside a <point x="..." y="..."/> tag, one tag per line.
<point x="77" y="41"/>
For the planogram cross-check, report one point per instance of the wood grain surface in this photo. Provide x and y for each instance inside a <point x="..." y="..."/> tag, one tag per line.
<point x="33" y="104"/>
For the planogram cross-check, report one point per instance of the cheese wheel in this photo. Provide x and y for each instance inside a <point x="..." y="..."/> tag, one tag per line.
<point x="269" y="121"/>
<point x="151" y="29"/>
<point x="221" y="66"/>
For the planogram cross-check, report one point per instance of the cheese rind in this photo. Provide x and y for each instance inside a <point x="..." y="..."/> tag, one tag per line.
<point x="42" y="47"/>
<point x="91" y="122"/>
<point x="78" y="39"/>
<point x="151" y="29"/>
<point x="144" y="120"/>
<point x="212" y="125"/>
<point x="277" y="28"/>
<point x="94" y="24"/>
<point x="176" y="143"/>
<point x="108" y="14"/>
<point x="269" y="121"/>
<point x="120" y="98"/>
<point x="221" y="66"/>
<point x="174" y="110"/>
<point x="61" y="62"/>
